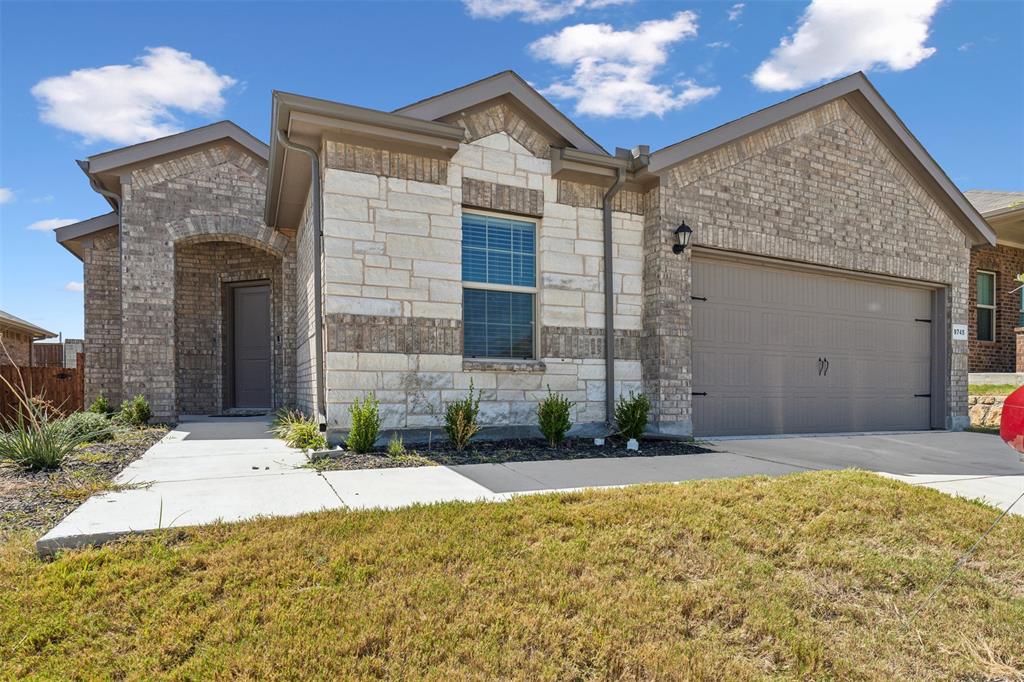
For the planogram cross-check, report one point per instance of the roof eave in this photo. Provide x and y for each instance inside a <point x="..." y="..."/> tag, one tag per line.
<point x="337" y="117"/>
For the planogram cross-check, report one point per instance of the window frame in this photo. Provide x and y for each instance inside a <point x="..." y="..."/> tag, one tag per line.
<point x="511" y="288"/>
<point x="980" y="306"/>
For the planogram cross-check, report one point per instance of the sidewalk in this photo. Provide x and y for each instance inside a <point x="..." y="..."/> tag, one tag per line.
<point x="230" y="469"/>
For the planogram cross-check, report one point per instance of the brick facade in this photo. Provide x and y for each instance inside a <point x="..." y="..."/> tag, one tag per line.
<point x="204" y="271"/>
<point x="17" y="348"/>
<point x="102" y="271"/>
<point x="999" y="355"/>
<point x="135" y="319"/>
<point x="822" y="188"/>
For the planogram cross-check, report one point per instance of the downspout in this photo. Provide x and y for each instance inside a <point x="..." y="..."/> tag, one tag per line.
<point x="609" y="298"/>
<point x="318" y="226"/>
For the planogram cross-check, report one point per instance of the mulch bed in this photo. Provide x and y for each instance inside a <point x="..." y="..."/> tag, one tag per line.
<point x="38" y="500"/>
<point x="496" y="452"/>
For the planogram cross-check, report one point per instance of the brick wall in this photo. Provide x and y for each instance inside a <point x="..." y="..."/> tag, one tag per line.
<point x="211" y="191"/>
<point x="999" y="355"/>
<point x="203" y="271"/>
<point x="823" y="188"/>
<point x="17" y="348"/>
<point x="101" y="266"/>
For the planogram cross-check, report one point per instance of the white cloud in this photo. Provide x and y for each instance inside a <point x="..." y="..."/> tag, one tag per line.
<point x="837" y="37"/>
<point x="534" y="11"/>
<point x="74" y="286"/>
<point x="51" y="224"/>
<point x="126" y="103"/>
<point x="6" y="195"/>
<point x="965" y="47"/>
<point x="736" y="11"/>
<point x="719" y="45"/>
<point x="613" y="71"/>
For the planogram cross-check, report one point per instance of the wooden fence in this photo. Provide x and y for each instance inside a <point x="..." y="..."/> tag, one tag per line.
<point x="47" y="354"/>
<point x="63" y="387"/>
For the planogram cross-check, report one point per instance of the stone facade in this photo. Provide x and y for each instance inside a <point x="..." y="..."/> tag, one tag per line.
<point x="985" y="410"/>
<point x="135" y="319"/>
<point x="393" y="286"/>
<point x="17" y="348"/>
<point x="999" y="355"/>
<point x="819" y="188"/>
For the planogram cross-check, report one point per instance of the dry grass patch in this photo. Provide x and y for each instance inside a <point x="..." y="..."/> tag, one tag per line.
<point x="809" y="576"/>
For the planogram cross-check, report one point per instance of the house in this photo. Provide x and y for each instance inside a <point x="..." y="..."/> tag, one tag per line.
<point x="997" y="299"/>
<point x="17" y="337"/>
<point x="479" y="237"/>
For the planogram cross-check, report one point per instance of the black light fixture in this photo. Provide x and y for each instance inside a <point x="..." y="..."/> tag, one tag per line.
<point x="683" y="234"/>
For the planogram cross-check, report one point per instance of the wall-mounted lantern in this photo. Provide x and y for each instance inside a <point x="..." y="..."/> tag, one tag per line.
<point x="683" y="234"/>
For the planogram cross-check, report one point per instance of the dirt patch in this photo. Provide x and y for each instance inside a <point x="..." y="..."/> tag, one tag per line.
<point x="38" y="500"/>
<point x="496" y="452"/>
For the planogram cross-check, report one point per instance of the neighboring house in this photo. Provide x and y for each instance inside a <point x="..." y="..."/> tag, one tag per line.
<point x="17" y="337"/>
<point x="997" y="298"/>
<point x="464" y="239"/>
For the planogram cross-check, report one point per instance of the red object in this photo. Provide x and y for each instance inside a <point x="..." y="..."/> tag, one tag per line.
<point x="1011" y="425"/>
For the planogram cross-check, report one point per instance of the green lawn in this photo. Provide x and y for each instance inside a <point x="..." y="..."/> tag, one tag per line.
<point x="809" y="576"/>
<point x="991" y="389"/>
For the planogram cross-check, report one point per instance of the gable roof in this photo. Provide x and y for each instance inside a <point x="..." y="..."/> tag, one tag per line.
<point x="11" y="322"/>
<point x="863" y="97"/>
<point x="162" y="146"/>
<point x="102" y="169"/>
<point x="989" y="201"/>
<point x="505" y="83"/>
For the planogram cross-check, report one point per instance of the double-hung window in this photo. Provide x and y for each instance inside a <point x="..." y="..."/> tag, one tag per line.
<point x="986" y="306"/>
<point x="499" y="286"/>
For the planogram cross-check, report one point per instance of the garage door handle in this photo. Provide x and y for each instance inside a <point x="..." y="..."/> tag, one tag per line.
<point x="821" y="366"/>
<point x="698" y="298"/>
<point x="826" y="366"/>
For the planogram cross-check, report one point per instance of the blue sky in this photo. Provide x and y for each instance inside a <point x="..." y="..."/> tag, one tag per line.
<point x="627" y="72"/>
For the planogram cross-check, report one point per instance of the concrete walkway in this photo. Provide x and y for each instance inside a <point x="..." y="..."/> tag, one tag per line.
<point x="230" y="469"/>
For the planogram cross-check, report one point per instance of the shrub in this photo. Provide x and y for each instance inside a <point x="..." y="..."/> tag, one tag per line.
<point x="553" y="417"/>
<point x="90" y="426"/>
<point x="297" y="430"/>
<point x="396" y="446"/>
<point x="306" y="436"/>
<point x="631" y="414"/>
<point x="284" y="419"/>
<point x="35" y="439"/>
<point x="100" y="406"/>
<point x="135" y="412"/>
<point x="460" y="419"/>
<point x="365" y="424"/>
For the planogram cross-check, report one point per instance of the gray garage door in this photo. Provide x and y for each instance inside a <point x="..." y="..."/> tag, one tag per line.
<point x="778" y="350"/>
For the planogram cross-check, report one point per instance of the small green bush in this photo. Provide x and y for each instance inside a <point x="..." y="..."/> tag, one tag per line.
<point x="631" y="414"/>
<point x="100" y="406"/>
<point x="90" y="426"/>
<point x="134" y="412"/>
<point x="460" y="419"/>
<point x="306" y="436"/>
<point x="553" y="417"/>
<point x="284" y="419"/>
<point x="365" y="424"/>
<point x="396" y="446"/>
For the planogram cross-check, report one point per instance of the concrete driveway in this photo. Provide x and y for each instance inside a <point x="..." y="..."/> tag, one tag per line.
<point x="230" y="469"/>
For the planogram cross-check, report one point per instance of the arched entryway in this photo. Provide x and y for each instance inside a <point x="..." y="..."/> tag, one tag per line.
<point x="233" y="339"/>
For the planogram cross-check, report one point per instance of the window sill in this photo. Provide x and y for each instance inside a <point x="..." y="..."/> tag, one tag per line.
<point x="497" y="365"/>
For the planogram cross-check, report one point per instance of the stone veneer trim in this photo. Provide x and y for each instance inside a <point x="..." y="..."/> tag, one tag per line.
<point x="391" y="164"/>
<point x="506" y="198"/>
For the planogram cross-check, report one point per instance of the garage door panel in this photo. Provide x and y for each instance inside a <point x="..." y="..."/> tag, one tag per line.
<point x="759" y="335"/>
